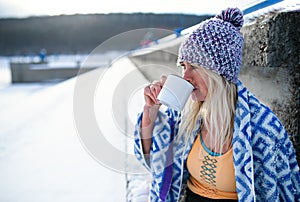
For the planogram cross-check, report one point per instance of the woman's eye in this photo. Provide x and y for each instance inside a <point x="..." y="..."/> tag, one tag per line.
<point x="193" y="67"/>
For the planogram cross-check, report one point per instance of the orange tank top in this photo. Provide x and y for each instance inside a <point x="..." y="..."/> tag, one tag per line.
<point x="211" y="176"/>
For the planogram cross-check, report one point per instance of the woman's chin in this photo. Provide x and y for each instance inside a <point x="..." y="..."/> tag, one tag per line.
<point x="197" y="98"/>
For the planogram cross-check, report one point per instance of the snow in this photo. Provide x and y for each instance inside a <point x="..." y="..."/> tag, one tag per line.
<point x="43" y="157"/>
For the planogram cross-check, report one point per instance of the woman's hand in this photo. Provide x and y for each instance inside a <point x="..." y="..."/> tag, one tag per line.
<point x="151" y="92"/>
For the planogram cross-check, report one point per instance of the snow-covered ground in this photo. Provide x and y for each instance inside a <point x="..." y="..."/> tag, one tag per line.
<point x="43" y="156"/>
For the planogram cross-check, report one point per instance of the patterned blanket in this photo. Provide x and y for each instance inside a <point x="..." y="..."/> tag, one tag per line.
<point x="264" y="158"/>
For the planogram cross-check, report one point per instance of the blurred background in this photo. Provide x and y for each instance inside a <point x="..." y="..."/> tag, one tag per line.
<point x="57" y="63"/>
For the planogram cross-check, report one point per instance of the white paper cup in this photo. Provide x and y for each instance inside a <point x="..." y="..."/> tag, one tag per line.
<point x="175" y="92"/>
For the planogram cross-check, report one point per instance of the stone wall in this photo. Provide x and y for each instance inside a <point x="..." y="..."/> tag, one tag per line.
<point x="271" y="67"/>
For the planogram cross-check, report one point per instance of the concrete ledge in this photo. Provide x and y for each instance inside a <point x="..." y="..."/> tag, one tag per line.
<point x="271" y="67"/>
<point x="40" y="72"/>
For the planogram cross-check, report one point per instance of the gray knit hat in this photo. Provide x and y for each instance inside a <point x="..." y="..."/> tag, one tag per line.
<point x="217" y="44"/>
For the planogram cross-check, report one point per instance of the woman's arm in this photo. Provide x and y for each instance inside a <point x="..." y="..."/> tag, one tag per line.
<point x="148" y="119"/>
<point x="150" y="111"/>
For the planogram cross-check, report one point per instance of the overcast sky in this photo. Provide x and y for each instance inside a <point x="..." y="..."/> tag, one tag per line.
<point x="25" y="8"/>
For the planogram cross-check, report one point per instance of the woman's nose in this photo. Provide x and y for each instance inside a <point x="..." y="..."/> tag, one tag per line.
<point x="187" y="74"/>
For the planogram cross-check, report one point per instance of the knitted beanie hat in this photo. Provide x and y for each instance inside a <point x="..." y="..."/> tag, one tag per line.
<point x="216" y="44"/>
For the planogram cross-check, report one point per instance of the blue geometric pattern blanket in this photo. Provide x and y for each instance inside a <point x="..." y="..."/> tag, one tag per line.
<point x="264" y="157"/>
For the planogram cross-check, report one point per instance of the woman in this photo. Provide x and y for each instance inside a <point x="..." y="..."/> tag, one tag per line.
<point x="226" y="144"/>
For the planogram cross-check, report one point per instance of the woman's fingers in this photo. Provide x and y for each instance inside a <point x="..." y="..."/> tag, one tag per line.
<point x="155" y="88"/>
<point x="149" y="97"/>
<point x="163" y="79"/>
<point x="151" y="92"/>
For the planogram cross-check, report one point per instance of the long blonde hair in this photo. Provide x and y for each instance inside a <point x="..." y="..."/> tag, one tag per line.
<point x="216" y="112"/>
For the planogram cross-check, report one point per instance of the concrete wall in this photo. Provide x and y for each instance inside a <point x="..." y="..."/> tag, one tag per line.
<point x="40" y="72"/>
<point x="270" y="66"/>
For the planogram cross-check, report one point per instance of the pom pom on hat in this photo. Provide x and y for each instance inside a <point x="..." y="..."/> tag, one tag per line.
<point x="232" y="15"/>
<point x="216" y="44"/>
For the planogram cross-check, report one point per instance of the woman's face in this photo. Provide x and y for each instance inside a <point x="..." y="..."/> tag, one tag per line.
<point x="198" y="78"/>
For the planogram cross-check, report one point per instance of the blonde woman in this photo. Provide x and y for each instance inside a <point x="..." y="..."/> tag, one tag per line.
<point x="225" y="145"/>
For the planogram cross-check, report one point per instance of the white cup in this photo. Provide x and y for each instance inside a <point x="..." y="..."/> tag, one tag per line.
<point x="175" y="92"/>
